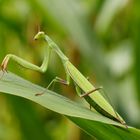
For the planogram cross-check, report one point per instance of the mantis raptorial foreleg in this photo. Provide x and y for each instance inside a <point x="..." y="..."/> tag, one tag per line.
<point x="25" y="63"/>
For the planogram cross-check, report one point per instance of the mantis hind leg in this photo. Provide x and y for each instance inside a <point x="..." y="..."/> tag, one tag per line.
<point x="90" y="92"/>
<point x="86" y="93"/>
<point x="79" y="92"/>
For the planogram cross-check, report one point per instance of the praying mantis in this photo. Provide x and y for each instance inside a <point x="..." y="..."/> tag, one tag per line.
<point x="91" y="94"/>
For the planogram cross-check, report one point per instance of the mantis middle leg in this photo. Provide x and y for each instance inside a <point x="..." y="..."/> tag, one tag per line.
<point x="56" y="79"/>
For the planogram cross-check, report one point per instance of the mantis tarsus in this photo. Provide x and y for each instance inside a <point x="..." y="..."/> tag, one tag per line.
<point x="96" y="100"/>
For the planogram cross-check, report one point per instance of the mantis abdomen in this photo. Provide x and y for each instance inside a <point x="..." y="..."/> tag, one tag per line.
<point x="96" y="100"/>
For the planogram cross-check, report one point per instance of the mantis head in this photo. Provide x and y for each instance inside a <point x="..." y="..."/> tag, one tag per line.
<point x="39" y="35"/>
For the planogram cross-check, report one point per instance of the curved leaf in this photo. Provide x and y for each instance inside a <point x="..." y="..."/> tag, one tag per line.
<point x="91" y="122"/>
<point x="13" y="84"/>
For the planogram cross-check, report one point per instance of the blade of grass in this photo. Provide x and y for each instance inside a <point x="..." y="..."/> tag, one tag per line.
<point x="91" y="122"/>
<point x="106" y="132"/>
<point x="12" y="84"/>
<point x="109" y="10"/>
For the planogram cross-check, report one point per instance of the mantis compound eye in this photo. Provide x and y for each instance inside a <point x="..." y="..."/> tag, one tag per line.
<point x="39" y="35"/>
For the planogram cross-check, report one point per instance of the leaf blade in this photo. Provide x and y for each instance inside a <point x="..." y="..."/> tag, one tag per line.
<point x="91" y="122"/>
<point x="13" y="84"/>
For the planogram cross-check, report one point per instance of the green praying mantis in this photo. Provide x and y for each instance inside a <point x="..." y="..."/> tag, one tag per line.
<point x="91" y="94"/>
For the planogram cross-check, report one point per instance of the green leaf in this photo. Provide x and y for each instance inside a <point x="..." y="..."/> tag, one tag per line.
<point x="106" y="132"/>
<point x="88" y="120"/>
<point x="12" y="84"/>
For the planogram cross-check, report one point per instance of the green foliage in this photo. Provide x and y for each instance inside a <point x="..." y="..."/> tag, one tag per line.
<point x="98" y="126"/>
<point x="101" y="38"/>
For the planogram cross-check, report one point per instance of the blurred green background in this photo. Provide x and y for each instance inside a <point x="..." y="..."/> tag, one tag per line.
<point x="101" y="38"/>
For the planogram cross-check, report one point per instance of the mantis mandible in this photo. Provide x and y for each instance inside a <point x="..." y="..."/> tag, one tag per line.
<point x="96" y="100"/>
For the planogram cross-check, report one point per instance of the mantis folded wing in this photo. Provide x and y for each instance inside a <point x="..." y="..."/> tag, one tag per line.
<point x="96" y="100"/>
